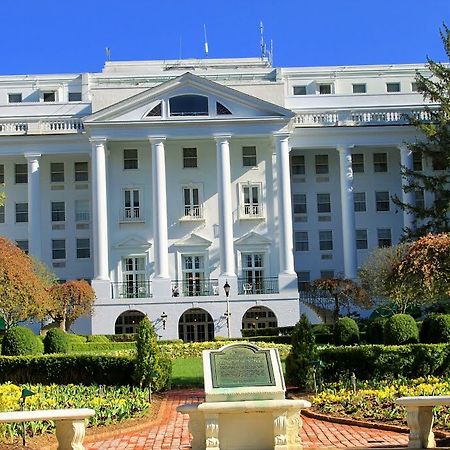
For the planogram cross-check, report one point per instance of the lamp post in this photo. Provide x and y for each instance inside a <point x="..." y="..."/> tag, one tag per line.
<point x="226" y="288"/>
<point x="163" y="318"/>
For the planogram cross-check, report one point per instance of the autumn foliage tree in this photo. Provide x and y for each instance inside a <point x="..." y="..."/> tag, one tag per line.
<point x="342" y="292"/>
<point x="69" y="301"/>
<point x="22" y="293"/>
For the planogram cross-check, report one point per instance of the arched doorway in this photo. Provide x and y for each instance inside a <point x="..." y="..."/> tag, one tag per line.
<point x="196" y="325"/>
<point x="259" y="317"/>
<point x="128" y="322"/>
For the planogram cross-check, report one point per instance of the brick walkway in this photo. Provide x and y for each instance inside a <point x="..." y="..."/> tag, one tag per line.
<point x="170" y="431"/>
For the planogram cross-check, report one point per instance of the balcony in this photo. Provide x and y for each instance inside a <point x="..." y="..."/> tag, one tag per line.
<point x="194" y="288"/>
<point x="192" y="213"/>
<point x="136" y="289"/>
<point x="258" y="286"/>
<point x="254" y="211"/>
<point x="132" y="214"/>
<point x="36" y="126"/>
<point x="359" y="117"/>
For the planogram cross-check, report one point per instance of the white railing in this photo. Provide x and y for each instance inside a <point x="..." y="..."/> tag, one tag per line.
<point x="254" y="211"/>
<point x="132" y="214"/>
<point x="193" y="212"/>
<point x="41" y="126"/>
<point x="82" y="216"/>
<point x="360" y="117"/>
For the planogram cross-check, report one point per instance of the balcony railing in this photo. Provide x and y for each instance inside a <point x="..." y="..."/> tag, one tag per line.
<point x="193" y="212"/>
<point x="132" y="214"/>
<point x="360" y="117"/>
<point x="136" y="289"/>
<point x="258" y="286"/>
<point x="194" y="288"/>
<point x="254" y="211"/>
<point x="41" y="126"/>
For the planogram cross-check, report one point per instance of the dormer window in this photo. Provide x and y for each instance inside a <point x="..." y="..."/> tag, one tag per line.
<point x="188" y="105"/>
<point x="156" y="111"/>
<point x="222" y="110"/>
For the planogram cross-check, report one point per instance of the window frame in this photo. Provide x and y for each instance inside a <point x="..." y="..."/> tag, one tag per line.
<point x="53" y="178"/>
<point x="322" y="241"/>
<point x="380" y="166"/>
<point x="23" y="213"/>
<point x="303" y="205"/>
<point x="132" y="213"/>
<point x="323" y="85"/>
<point x="358" y="166"/>
<point x="77" y="173"/>
<point x="18" y="175"/>
<point x="249" y="160"/>
<point x="190" y="161"/>
<point x="79" y="214"/>
<point x="321" y="167"/>
<point x="299" y="87"/>
<point x="359" y="202"/>
<point x="303" y="280"/>
<point x="45" y="95"/>
<point x="364" y="85"/>
<point x="388" y="240"/>
<point x="250" y="209"/>
<point x="2" y="174"/>
<point x="2" y="214"/>
<point x="78" y="94"/>
<point x="380" y="202"/>
<point x="130" y="162"/>
<point x="12" y="94"/>
<point x="301" y="241"/>
<point x="61" y="249"/>
<point x="80" y="249"/>
<point x="323" y="207"/>
<point x="24" y="247"/>
<point x="361" y="239"/>
<point x="192" y="210"/>
<point x="58" y="215"/>
<point x="390" y="87"/>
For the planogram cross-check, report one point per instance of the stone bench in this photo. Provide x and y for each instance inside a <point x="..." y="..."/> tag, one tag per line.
<point x="70" y="424"/>
<point x="420" y="418"/>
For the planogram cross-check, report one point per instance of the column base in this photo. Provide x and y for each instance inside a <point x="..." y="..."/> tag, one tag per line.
<point x="161" y="287"/>
<point x="102" y="289"/>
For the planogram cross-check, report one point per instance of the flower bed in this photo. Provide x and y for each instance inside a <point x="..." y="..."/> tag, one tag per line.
<point x="112" y="404"/>
<point x="376" y="401"/>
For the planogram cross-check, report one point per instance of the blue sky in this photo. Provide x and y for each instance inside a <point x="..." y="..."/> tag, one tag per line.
<point x="59" y="36"/>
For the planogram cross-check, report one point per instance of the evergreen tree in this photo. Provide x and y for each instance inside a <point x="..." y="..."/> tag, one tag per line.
<point x="434" y="147"/>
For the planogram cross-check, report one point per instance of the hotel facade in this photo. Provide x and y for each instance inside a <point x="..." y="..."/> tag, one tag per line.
<point x="206" y="193"/>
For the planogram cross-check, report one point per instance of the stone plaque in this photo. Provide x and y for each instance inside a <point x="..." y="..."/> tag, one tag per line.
<point x="241" y="365"/>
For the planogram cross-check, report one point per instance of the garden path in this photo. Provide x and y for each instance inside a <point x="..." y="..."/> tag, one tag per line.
<point x="170" y="431"/>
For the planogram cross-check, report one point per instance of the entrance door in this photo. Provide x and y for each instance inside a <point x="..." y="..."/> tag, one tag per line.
<point x="196" y="325"/>
<point x="193" y="275"/>
<point x="253" y="272"/>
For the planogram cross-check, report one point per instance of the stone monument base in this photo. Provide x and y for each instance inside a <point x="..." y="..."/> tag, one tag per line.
<point x="245" y="425"/>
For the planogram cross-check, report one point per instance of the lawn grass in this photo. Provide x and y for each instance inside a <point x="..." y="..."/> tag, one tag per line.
<point x="187" y="372"/>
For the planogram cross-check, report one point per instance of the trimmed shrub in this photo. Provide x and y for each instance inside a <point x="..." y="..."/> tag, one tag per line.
<point x="90" y="347"/>
<point x="435" y="329"/>
<point x="125" y="337"/>
<point x="98" y="338"/>
<point x="400" y="329"/>
<point x="270" y="331"/>
<point x="346" y="331"/>
<point x="21" y="341"/>
<point x="76" y="338"/>
<point x="299" y="368"/>
<point x="375" y="331"/>
<point x="56" y="341"/>
<point x="323" y="333"/>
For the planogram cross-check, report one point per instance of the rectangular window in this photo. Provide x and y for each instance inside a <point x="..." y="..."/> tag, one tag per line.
<point x="384" y="237"/>
<point x="301" y="241"/>
<point x="326" y="274"/>
<point x="251" y="206"/>
<point x="326" y="240"/>
<point x="58" y="249"/>
<point x="23" y="245"/>
<point x="15" y="98"/>
<point x="134" y="278"/>
<point x="189" y="157"/>
<point x="58" y="212"/>
<point x="359" y="201"/>
<point x="380" y="162"/>
<point x="321" y="164"/>
<point x="361" y="240"/>
<point x="323" y="203"/>
<point x="2" y="214"/>
<point x="191" y="199"/>
<point x="414" y="87"/>
<point x="49" y="96"/>
<point x="299" y="90"/>
<point x="300" y="204"/>
<point x="83" y="249"/>
<point x="382" y="201"/>
<point x="132" y="209"/>
<point x="303" y="280"/>
<point x="21" y="212"/>
<point x="82" y="213"/>
<point x="57" y="172"/>
<point x="253" y="273"/>
<point x="324" y="89"/>
<point x="298" y="165"/>
<point x="81" y="171"/>
<point x="21" y="173"/>
<point x="2" y="174"/>
<point x="74" y="96"/>
<point x="359" y="88"/>
<point x="358" y="163"/>
<point x="417" y="162"/>
<point x="419" y="199"/>
<point x="130" y="158"/>
<point x="249" y="156"/>
<point x="392" y="87"/>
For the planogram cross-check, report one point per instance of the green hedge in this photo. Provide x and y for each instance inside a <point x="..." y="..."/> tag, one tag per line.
<point x="89" y="347"/>
<point x="381" y="362"/>
<point x="272" y="331"/>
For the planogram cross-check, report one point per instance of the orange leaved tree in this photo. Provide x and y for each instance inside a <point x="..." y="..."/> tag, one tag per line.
<point x="22" y="293"/>
<point x="69" y="301"/>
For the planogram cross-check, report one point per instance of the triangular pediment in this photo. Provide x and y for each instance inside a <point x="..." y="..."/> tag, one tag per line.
<point x="137" y="109"/>
<point x="133" y="242"/>
<point x="252" y="239"/>
<point x="193" y="240"/>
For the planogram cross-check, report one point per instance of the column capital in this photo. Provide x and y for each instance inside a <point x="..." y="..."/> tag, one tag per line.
<point x="344" y="147"/>
<point x="31" y="156"/>
<point x="221" y="138"/>
<point x="281" y="135"/>
<point x="403" y="147"/>
<point x="98" y="140"/>
<point x="156" y="139"/>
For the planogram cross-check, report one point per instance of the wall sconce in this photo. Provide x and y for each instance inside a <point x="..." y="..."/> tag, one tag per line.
<point x="164" y="319"/>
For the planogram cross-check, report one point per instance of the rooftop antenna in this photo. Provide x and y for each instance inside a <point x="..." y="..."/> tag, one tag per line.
<point x="263" y="45"/>
<point x="206" y="41"/>
<point x="108" y="54"/>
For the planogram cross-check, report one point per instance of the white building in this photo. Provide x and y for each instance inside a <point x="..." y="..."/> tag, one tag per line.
<point x="163" y="181"/>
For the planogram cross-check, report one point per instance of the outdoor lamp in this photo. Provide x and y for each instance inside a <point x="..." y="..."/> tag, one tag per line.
<point x="164" y="318"/>
<point x="226" y="288"/>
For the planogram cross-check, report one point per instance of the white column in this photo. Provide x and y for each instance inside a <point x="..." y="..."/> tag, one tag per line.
<point x="161" y="279"/>
<point x="99" y="210"/>
<point x="34" y="205"/>
<point x="227" y="266"/>
<point x="284" y="205"/>
<point x="406" y="160"/>
<point x="348" y="213"/>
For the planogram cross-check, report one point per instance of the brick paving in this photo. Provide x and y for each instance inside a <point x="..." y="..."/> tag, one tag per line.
<point x="170" y="431"/>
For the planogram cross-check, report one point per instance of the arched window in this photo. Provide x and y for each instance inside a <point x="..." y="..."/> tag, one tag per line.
<point x="188" y="105"/>
<point x="259" y="317"/>
<point x="128" y="322"/>
<point x="196" y="325"/>
<point x="156" y="111"/>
